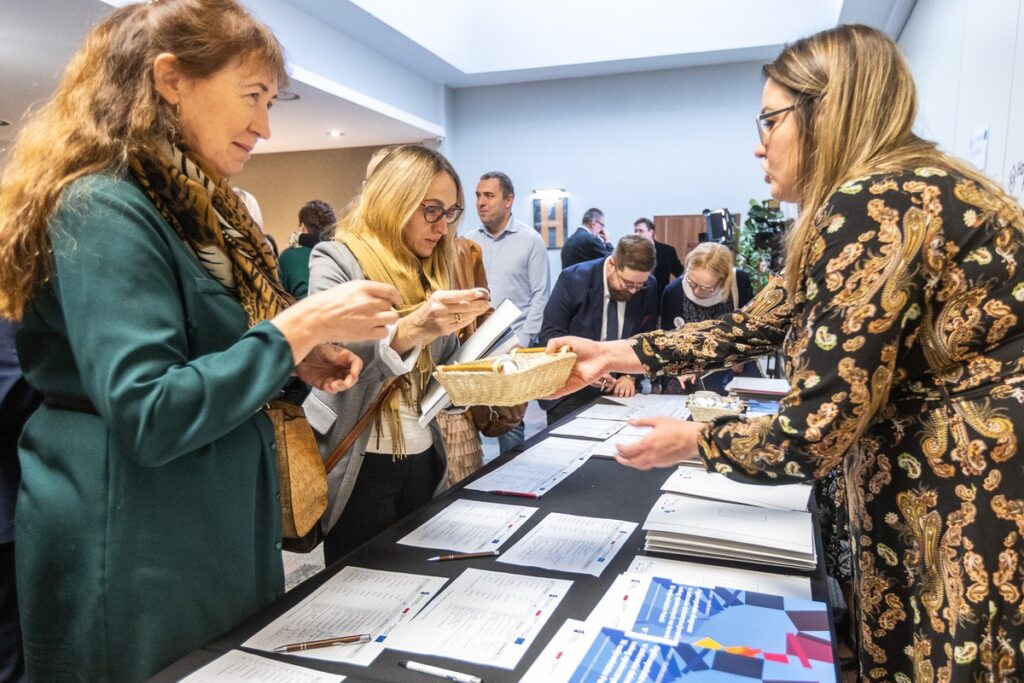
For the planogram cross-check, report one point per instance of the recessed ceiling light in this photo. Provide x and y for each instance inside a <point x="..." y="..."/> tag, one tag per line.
<point x="287" y="96"/>
<point x="335" y="133"/>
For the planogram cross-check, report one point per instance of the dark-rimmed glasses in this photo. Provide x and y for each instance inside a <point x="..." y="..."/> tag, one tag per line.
<point x="629" y="285"/>
<point x="432" y="213"/>
<point x="765" y="122"/>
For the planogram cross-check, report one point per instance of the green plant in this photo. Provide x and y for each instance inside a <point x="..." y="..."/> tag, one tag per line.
<point x="756" y="261"/>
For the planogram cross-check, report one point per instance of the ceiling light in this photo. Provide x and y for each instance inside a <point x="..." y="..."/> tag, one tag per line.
<point x="287" y="96"/>
<point x="335" y="133"/>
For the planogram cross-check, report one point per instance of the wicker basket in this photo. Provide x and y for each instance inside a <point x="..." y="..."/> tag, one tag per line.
<point x="723" y="405"/>
<point x="520" y="376"/>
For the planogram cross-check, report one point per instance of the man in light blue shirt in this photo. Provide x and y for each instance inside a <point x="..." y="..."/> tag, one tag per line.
<point x="516" y="263"/>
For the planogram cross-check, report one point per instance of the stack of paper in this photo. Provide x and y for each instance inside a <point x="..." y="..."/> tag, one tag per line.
<point x="712" y="528"/>
<point x="703" y="484"/>
<point x="758" y="386"/>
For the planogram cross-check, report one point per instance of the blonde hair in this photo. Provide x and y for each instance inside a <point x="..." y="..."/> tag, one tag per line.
<point x="855" y="106"/>
<point x="104" y="111"/>
<point x="714" y="257"/>
<point x="393" y="194"/>
<point x="375" y="159"/>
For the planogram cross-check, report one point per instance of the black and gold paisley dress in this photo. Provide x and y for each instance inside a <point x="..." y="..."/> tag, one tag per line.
<point x="905" y="351"/>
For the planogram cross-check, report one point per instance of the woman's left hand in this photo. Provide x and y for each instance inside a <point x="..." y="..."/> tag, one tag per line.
<point x="330" y="368"/>
<point x="669" y="443"/>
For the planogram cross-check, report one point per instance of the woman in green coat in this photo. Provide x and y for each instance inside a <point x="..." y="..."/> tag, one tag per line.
<point x="148" y="519"/>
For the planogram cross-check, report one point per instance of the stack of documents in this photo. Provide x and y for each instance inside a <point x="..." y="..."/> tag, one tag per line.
<point x="745" y="387"/>
<point x="730" y="531"/>
<point x="700" y="483"/>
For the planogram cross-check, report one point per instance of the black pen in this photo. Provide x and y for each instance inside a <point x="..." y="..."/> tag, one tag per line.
<point x="462" y="556"/>
<point x="326" y="642"/>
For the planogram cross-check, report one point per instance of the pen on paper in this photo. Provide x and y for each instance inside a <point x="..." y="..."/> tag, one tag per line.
<point x="326" y="642"/>
<point x="519" y="494"/>
<point x="439" y="672"/>
<point x="463" y="556"/>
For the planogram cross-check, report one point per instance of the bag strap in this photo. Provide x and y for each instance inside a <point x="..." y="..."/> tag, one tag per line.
<point x="735" y="291"/>
<point x="362" y="424"/>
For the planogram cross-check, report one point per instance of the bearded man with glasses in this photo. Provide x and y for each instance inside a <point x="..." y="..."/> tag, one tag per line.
<point x="603" y="299"/>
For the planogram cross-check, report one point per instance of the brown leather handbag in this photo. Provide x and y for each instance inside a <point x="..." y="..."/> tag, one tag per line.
<point x="300" y="471"/>
<point x="497" y="420"/>
<point x="303" y="475"/>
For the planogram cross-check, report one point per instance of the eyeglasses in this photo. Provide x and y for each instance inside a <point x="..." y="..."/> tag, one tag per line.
<point x="433" y="213"/>
<point x="766" y="122"/>
<point x="629" y="285"/>
<point x="701" y="288"/>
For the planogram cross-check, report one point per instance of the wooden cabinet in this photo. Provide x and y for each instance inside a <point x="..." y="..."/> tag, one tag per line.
<point x="683" y="231"/>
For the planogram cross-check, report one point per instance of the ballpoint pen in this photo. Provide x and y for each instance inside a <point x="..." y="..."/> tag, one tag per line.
<point x="463" y="556"/>
<point x="518" y="494"/>
<point x="440" y="673"/>
<point x="326" y="642"/>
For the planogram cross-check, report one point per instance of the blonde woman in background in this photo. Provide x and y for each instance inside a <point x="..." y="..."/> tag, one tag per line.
<point x="402" y="232"/>
<point x="901" y="316"/>
<point x="709" y="288"/>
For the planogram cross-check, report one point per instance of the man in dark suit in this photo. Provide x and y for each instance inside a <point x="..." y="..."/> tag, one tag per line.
<point x="588" y="242"/>
<point x="668" y="265"/>
<point x="607" y="298"/>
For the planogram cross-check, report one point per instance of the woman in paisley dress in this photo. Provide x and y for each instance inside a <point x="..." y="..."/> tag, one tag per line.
<point x="901" y="315"/>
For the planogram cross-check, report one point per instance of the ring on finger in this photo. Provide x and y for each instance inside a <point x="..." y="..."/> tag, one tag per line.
<point x="458" y="318"/>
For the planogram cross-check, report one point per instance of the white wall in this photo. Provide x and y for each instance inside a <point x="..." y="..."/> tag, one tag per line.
<point x="332" y="61"/>
<point x="968" y="63"/>
<point x="663" y="142"/>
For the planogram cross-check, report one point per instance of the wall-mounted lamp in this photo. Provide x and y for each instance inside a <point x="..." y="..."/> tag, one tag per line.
<point x="550" y="193"/>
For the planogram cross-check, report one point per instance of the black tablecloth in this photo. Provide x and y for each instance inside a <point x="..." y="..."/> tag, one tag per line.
<point x="600" y="488"/>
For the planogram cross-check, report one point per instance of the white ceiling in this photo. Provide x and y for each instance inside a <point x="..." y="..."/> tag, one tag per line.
<point x="457" y="43"/>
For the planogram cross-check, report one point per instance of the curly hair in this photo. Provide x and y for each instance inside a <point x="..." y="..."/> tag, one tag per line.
<point x="104" y="111"/>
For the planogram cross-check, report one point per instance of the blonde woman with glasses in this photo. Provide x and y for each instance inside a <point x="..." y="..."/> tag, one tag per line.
<point x="709" y="288"/>
<point x="901" y="317"/>
<point x="400" y="231"/>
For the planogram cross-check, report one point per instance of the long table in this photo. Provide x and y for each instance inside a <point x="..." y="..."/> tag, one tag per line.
<point x="600" y="488"/>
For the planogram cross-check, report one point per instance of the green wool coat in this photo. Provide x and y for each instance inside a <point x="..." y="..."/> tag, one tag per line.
<point x="145" y="531"/>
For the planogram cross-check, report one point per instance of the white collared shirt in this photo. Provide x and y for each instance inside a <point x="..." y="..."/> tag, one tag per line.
<point x="619" y="305"/>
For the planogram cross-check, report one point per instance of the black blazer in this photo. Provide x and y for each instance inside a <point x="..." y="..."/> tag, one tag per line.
<point x="576" y="307"/>
<point x="668" y="264"/>
<point x="583" y="246"/>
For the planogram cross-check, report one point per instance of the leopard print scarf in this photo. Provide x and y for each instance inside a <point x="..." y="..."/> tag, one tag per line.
<point x="210" y="218"/>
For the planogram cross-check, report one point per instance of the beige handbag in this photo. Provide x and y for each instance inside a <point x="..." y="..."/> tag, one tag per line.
<point x="302" y="474"/>
<point x="300" y="470"/>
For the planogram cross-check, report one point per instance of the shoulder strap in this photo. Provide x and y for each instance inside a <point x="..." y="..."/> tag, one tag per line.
<point x="735" y="291"/>
<point x="362" y="424"/>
